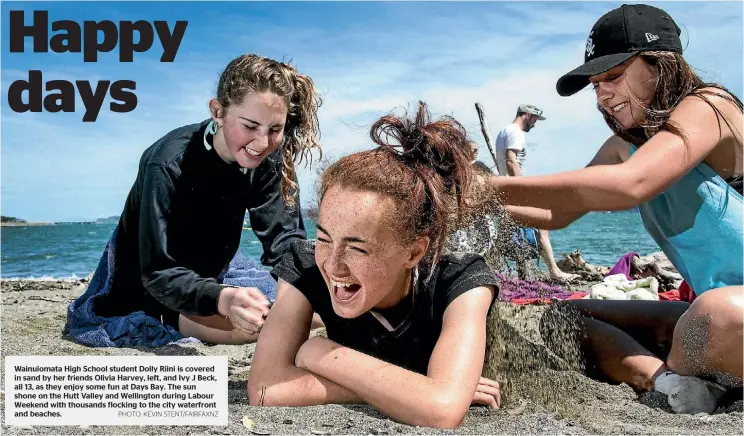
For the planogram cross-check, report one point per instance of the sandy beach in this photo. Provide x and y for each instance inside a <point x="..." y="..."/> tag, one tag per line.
<point x="542" y="393"/>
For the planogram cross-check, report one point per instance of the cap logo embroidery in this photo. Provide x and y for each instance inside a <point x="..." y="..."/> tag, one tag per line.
<point x="651" y="37"/>
<point x="590" y="45"/>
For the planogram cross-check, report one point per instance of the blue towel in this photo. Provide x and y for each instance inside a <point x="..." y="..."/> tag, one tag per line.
<point x="138" y="329"/>
<point x="246" y="272"/>
<point x="524" y="244"/>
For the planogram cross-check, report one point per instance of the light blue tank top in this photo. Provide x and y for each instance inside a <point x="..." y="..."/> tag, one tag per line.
<point x="698" y="224"/>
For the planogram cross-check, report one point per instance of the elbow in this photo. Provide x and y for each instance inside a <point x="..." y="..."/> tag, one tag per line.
<point x="254" y="391"/>
<point x="258" y="392"/>
<point x="638" y="193"/>
<point x="446" y="414"/>
<point x="633" y="191"/>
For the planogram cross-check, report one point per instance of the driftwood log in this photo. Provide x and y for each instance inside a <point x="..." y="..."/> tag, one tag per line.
<point x="485" y="130"/>
<point x="654" y="264"/>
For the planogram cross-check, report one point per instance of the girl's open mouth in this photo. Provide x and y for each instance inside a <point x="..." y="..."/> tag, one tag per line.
<point x="344" y="291"/>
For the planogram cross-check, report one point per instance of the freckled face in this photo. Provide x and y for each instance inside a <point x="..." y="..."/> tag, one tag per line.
<point x="362" y="261"/>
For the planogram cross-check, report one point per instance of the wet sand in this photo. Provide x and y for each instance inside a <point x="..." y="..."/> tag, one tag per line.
<point x="542" y="393"/>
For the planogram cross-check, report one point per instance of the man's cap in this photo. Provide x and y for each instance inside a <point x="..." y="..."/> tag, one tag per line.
<point x="531" y="109"/>
<point x="619" y="35"/>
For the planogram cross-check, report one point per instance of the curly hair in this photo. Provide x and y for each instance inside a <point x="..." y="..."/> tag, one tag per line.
<point x="251" y="73"/>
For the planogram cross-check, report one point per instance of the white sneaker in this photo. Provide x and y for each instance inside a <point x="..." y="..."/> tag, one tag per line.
<point x="689" y="394"/>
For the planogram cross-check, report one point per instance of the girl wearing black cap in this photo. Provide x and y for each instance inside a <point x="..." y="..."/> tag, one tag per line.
<point x="677" y="155"/>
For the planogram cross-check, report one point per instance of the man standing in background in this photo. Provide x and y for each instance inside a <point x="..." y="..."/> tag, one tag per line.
<point x="510" y="157"/>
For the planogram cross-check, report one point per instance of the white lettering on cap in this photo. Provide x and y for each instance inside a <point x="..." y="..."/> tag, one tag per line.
<point x="590" y="44"/>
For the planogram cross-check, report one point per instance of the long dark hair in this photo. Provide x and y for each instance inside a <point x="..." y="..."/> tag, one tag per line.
<point x="677" y="80"/>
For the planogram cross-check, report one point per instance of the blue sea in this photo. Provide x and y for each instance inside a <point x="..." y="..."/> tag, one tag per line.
<point x="73" y="250"/>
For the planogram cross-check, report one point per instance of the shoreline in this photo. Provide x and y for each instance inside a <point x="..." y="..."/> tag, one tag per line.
<point x="26" y="224"/>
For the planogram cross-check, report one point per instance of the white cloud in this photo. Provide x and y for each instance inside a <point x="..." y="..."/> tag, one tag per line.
<point x="450" y="57"/>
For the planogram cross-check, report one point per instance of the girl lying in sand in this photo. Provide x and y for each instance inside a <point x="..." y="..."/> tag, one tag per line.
<point x="676" y="154"/>
<point x="406" y="324"/>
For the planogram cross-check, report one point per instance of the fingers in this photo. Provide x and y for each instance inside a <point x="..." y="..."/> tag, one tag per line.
<point x="247" y="318"/>
<point x="490" y="388"/>
<point x="253" y="297"/>
<point x="488" y="382"/>
<point x="248" y="309"/>
<point x="485" y="400"/>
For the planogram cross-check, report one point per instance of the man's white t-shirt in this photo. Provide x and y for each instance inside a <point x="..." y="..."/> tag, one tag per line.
<point x="510" y="137"/>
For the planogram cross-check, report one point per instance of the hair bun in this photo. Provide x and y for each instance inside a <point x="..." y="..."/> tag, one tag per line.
<point x="419" y="142"/>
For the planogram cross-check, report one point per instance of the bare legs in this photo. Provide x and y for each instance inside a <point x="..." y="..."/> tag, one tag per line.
<point x="704" y="339"/>
<point x="546" y="252"/>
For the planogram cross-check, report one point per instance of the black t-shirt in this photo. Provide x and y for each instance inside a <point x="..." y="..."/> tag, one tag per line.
<point x="412" y="341"/>
<point x="182" y="224"/>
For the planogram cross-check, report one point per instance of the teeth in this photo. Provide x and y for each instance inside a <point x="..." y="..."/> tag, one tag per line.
<point x="341" y="284"/>
<point x="251" y="152"/>
<point x="619" y="107"/>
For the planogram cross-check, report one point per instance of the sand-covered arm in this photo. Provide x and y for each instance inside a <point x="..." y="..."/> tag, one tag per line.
<point x="440" y="398"/>
<point x="274" y="378"/>
<point x="542" y="218"/>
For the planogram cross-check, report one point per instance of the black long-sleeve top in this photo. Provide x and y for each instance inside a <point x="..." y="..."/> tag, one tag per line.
<point x="182" y="224"/>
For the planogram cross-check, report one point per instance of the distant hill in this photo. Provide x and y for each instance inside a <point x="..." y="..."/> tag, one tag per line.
<point x="11" y="221"/>
<point x="114" y="219"/>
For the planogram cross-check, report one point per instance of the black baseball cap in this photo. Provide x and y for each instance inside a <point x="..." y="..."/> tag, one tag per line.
<point x="619" y="35"/>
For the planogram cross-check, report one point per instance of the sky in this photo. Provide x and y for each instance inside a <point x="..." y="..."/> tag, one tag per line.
<point x="366" y="59"/>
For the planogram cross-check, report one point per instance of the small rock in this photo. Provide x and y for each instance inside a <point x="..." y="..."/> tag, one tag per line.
<point x="287" y="421"/>
<point x="519" y="409"/>
<point x="248" y="422"/>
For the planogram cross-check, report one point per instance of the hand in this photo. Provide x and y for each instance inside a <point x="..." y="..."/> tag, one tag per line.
<point x="487" y="394"/>
<point x="246" y="308"/>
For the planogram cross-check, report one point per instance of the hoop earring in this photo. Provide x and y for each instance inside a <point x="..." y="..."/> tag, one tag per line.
<point x="212" y="128"/>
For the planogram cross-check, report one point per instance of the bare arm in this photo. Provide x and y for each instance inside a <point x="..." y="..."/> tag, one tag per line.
<point x="652" y="169"/>
<point x="613" y="151"/>
<point x="542" y="218"/>
<point x="439" y="399"/>
<point x="512" y="166"/>
<point x="274" y="378"/>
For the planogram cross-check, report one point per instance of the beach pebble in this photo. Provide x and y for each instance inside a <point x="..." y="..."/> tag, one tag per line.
<point x="248" y="422"/>
<point x="251" y="426"/>
<point x="519" y="409"/>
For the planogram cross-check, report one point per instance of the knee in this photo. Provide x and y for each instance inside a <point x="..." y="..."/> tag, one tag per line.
<point x="721" y="309"/>
<point x="710" y="329"/>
